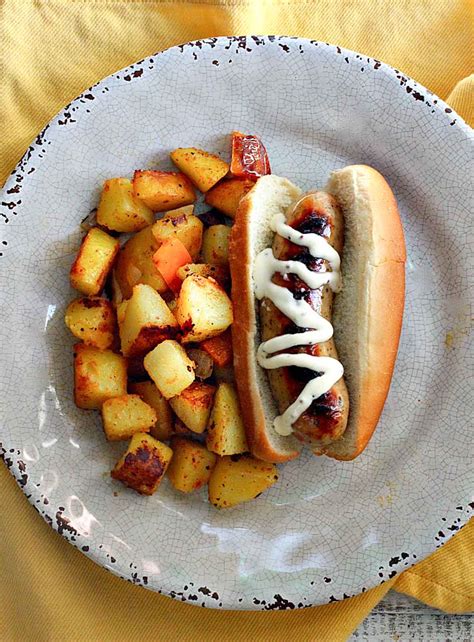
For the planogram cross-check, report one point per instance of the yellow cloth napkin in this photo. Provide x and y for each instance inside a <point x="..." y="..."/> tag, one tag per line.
<point x="51" y="50"/>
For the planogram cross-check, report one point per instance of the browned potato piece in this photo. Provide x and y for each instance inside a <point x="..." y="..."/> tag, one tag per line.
<point x="217" y="272"/>
<point x="187" y="228"/>
<point x="92" y="320"/>
<point x="98" y="375"/>
<point x="162" y="191"/>
<point x="170" y="368"/>
<point x="93" y="262"/>
<point x="135" y="265"/>
<point x="204" y="169"/>
<point x="225" y="196"/>
<point x="193" y="405"/>
<point x="124" y="416"/>
<point x="163" y="429"/>
<point x="215" y="245"/>
<point x="238" y="479"/>
<point x="191" y="465"/>
<point x="144" y="464"/>
<point x="147" y="321"/>
<point x="120" y="210"/>
<point x="226" y="432"/>
<point x="203" y="310"/>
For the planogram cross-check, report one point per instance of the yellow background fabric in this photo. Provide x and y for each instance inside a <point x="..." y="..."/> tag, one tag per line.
<point x="50" y="51"/>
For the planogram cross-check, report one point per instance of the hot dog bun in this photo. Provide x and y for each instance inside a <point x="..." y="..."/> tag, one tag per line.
<point x="367" y="313"/>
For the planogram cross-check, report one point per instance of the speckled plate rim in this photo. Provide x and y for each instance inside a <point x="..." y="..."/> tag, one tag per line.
<point x="11" y="200"/>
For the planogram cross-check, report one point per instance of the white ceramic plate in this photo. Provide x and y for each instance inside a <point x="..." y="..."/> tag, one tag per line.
<point x="327" y="530"/>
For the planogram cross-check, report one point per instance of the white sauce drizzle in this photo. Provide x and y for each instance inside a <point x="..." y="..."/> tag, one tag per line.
<point x="302" y="315"/>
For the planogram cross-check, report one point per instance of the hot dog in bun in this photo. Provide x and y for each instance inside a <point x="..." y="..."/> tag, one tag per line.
<point x="318" y="282"/>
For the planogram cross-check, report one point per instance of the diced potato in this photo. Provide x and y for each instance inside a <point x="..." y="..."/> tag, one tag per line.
<point x="170" y="368"/>
<point x="204" y="169"/>
<point x="187" y="228"/>
<point x="143" y="464"/>
<point x="215" y="245"/>
<point x="226" y="195"/>
<point x="239" y="479"/>
<point x="226" y="432"/>
<point x="162" y="191"/>
<point x="163" y="429"/>
<point x="146" y="322"/>
<point x="203" y="310"/>
<point x="120" y="210"/>
<point x="191" y="466"/>
<point x="193" y="405"/>
<point x="98" y="375"/>
<point x="93" y="262"/>
<point x="135" y="264"/>
<point x="219" y="348"/>
<point x="124" y="416"/>
<point x="217" y="272"/>
<point x="92" y="320"/>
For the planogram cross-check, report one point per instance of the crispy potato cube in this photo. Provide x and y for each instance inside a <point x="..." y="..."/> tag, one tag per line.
<point x="239" y="479"/>
<point x="215" y="245"/>
<point x="217" y="272"/>
<point x="191" y="465"/>
<point x="163" y="429"/>
<point x="135" y="264"/>
<point x="98" y="375"/>
<point x="92" y="320"/>
<point x="170" y="368"/>
<point x="225" y="196"/>
<point x="226" y="432"/>
<point x="146" y="322"/>
<point x="193" y="405"/>
<point x="186" y="227"/>
<point x="93" y="262"/>
<point x="204" y="169"/>
<point x="143" y="464"/>
<point x="124" y="416"/>
<point x="162" y="191"/>
<point x="120" y="210"/>
<point x="203" y="310"/>
<point x="219" y="348"/>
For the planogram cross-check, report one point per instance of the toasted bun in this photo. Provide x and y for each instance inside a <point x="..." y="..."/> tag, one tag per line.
<point x="367" y="313"/>
<point x="250" y="235"/>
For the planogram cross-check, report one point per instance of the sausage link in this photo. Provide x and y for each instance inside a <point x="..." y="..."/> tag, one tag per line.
<point x="326" y="419"/>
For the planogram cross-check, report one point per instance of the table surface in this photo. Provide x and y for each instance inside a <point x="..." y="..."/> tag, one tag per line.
<point x="401" y="618"/>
